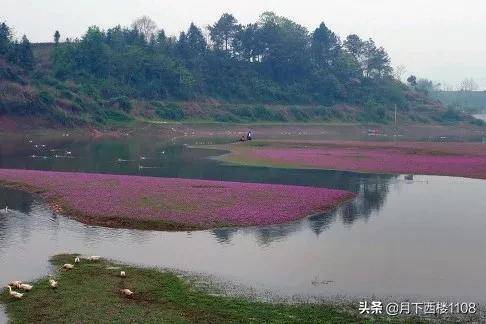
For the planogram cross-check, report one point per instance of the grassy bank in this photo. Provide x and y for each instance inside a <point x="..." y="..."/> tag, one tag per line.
<point x="91" y="293"/>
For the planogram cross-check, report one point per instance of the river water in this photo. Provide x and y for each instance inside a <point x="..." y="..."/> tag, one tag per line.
<point x="421" y="238"/>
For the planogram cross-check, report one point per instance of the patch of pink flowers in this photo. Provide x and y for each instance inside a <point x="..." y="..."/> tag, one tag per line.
<point x="381" y="160"/>
<point x="199" y="203"/>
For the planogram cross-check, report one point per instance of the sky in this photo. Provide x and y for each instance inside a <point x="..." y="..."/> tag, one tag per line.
<point x="442" y="40"/>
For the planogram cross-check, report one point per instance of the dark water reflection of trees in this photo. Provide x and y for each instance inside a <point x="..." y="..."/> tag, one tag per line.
<point x="372" y="192"/>
<point x="151" y="157"/>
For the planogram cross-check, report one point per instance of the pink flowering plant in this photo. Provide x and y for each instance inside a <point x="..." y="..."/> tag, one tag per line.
<point x="168" y="203"/>
<point x="451" y="159"/>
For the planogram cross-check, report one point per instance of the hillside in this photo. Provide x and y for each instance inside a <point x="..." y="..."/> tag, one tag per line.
<point x="272" y="70"/>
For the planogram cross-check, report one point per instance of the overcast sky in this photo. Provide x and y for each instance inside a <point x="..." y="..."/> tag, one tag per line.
<point x="443" y="40"/>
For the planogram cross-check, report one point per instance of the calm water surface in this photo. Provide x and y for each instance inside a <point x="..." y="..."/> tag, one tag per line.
<point x="397" y="238"/>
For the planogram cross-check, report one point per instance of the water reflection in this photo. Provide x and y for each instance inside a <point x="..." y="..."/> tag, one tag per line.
<point x="163" y="159"/>
<point x="371" y="196"/>
<point x="154" y="157"/>
<point x="371" y="190"/>
<point x="401" y="245"/>
<point x="223" y="235"/>
<point x="387" y="241"/>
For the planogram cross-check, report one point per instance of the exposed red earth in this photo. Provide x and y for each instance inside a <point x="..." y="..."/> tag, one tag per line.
<point x="449" y="159"/>
<point x="171" y="204"/>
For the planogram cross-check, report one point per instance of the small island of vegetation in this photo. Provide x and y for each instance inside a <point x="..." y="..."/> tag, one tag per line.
<point x="169" y="203"/>
<point x="447" y="159"/>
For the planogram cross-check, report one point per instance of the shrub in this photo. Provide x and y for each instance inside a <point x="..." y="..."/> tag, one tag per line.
<point x="244" y="112"/>
<point x="67" y="94"/>
<point x="451" y="116"/>
<point x="225" y="118"/>
<point x="262" y="113"/>
<point x="115" y="116"/>
<point x="374" y="112"/>
<point x="46" y="98"/>
<point x="170" y="112"/>
<point x="124" y="103"/>
<point x="299" y="114"/>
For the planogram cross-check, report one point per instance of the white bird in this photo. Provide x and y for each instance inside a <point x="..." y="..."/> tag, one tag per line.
<point x="25" y="287"/>
<point x="53" y="283"/>
<point x="6" y="208"/>
<point x="77" y="260"/>
<point x="68" y="266"/>
<point x="123" y="274"/>
<point x="127" y="292"/>
<point x="15" y="294"/>
<point x="94" y="258"/>
<point x="15" y="283"/>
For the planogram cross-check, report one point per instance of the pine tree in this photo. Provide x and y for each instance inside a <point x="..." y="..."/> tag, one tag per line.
<point x="5" y="39"/>
<point x="24" y="54"/>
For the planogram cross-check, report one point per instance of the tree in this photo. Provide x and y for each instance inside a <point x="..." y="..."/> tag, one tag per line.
<point x="283" y="46"/>
<point x="355" y="46"/>
<point x="25" y="55"/>
<point x="248" y="44"/>
<point x="376" y="60"/>
<point x="447" y="87"/>
<point x="195" y="39"/>
<point x="412" y="80"/>
<point x="271" y="60"/>
<point x="426" y="86"/>
<point x="223" y="32"/>
<point x="468" y="84"/>
<point x="93" y="54"/>
<point x="192" y="45"/>
<point x="57" y="36"/>
<point x="145" y="26"/>
<point x="5" y="38"/>
<point x="325" y="46"/>
<point x="163" y="43"/>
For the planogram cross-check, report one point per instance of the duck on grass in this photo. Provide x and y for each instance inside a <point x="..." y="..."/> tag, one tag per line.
<point x="95" y="292"/>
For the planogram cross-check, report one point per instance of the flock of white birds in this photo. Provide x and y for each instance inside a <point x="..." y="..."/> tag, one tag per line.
<point x="54" y="284"/>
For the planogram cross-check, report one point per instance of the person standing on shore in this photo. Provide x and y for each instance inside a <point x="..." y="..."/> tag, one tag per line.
<point x="248" y="136"/>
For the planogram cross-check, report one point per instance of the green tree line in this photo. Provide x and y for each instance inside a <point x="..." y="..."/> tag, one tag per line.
<point x="271" y="60"/>
<point x="101" y="75"/>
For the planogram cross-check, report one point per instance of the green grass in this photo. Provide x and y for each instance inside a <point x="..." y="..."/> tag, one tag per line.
<point x="91" y="293"/>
